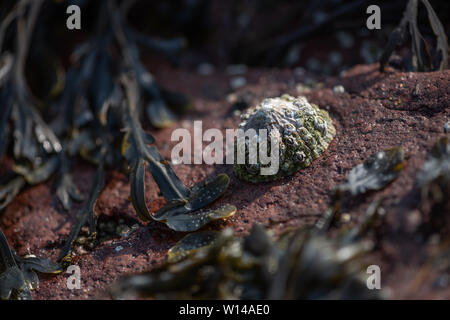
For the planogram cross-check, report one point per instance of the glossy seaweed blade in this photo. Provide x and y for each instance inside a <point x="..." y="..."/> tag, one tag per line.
<point x="6" y="66"/>
<point x="191" y="244"/>
<point x="168" y="47"/>
<point x="32" y="132"/>
<point x="187" y="216"/>
<point x="29" y="265"/>
<point x="438" y="29"/>
<point x="422" y="59"/>
<point x="40" y="174"/>
<point x="160" y="116"/>
<point x="102" y="81"/>
<point x="185" y="278"/>
<point x="65" y="188"/>
<point x="136" y="147"/>
<point x="158" y="113"/>
<point x="374" y="213"/>
<point x="5" y="110"/>
<point x="396" y="38"/>
<point x="200" y="195"/>
<point x="434" y="178"/>
<point x="38" y="264"/>
<point x="136" y="150"/>
<point x="192" y="221"/>
<point x="24" y="144"/>
<point x="86" y="215"/>
<point x="375" y="173"/>
<point x="13" y="285"/>
<point x="11" y="278"/>
<point x="207" y="191"/>
<point x="421" y="53"/>
<point x="179" y="213"/>
<point x="17" y="274"/>
<point x="27" y="173"/>
<point x="168" y="182"/>
<point x="10" y="190"/>
<point x="314" y="267"/>
<point x="137" y="187"/>
<point x="177" y="102"/>
<point x="437" y="164"/>
<point x="208" y="265"/>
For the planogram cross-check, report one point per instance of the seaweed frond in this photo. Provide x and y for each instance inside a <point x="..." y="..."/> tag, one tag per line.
<point x="422" y="59"/>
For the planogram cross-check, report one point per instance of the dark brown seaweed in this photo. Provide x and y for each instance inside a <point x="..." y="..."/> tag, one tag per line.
<point x="375" y="173"/>
<point x="302" y="265"/>
<point x="104" y="92"/>
<point x="17" y="274"/>
<point x="421" y="55"/>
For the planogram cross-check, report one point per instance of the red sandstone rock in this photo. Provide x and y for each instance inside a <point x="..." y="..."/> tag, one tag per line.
<point x="376" y="111"/>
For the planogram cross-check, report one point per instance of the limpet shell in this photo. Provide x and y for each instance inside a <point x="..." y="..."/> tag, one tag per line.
<point x="303" y="130"/>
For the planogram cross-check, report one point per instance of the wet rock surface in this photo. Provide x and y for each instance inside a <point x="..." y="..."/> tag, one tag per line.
<point x="374" y="112"/>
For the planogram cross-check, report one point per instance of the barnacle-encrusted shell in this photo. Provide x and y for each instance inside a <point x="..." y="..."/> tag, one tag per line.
<point x="304" y="131"/>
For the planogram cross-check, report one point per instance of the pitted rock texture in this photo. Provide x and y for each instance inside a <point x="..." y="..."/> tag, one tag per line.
<point x="376" y="111"/>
